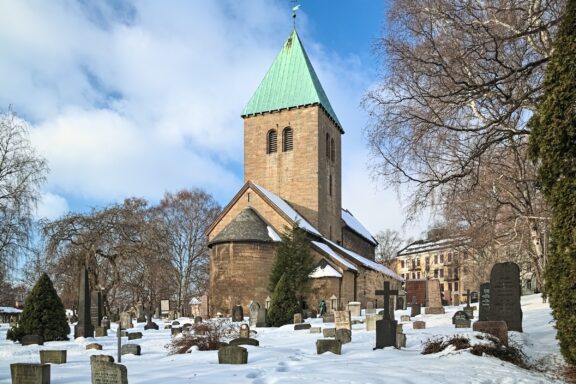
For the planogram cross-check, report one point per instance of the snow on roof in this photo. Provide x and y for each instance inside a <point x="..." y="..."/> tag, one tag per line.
<point x="330" y="253"/>
<point x="326" y="271"/>
<point x="288" y="210"/>
<point x="10" y="310"/>
<point x="273" y="234"/>
<point x="366" y="262"/>
<point x="356" y="226"/>
<point x="195" y="301"/>
<point x="423" y="246"/>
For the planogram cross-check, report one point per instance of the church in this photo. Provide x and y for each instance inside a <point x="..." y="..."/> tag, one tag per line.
<point x="292" y="176"/>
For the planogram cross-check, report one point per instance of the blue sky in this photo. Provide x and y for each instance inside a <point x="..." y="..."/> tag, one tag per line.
<point x="135" y="98"/>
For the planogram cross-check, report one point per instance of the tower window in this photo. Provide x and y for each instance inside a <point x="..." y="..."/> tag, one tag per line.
<point x="272" y="143"/>
<point x="327" y="146"/>
<point x="332" y="150"/>
<point x="330" y="185"/>
<point x="287" y="140"/>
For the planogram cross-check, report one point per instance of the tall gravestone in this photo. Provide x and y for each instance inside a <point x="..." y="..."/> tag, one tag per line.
<point x="386" y="328"/>
<point x="237" y="313"/>
<point x="125" y="320"/>
<point x="84" y="328"/>
<point x="96" y="308"/>
<point x="484" y="304"/>
<point x="505" y="295"/>
<point x="433" y="298"/>
<point x="140" y="316"/>
<point x="204" y="306"/>
<point x="253" y="308"/>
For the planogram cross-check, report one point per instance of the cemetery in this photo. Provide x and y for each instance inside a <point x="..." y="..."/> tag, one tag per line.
<point x="287" y="355"/>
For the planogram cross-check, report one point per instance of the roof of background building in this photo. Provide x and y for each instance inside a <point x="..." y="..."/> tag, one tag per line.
<point x="420" y="246"/>
<point x="290" y="82"/>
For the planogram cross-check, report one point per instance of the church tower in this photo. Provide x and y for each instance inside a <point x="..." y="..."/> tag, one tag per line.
<point x="292" y="140"/>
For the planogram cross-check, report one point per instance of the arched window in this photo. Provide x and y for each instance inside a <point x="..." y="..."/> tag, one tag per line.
<point x="272" y="143"/>
<point x="327" y="146"/>
<point x="332" y="150"/>
<point x="287" y="142"/>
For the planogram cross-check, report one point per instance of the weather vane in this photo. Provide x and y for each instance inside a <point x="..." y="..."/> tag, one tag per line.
<point x="295" y="7"/>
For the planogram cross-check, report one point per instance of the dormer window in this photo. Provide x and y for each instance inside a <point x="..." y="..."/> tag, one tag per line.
<point x="287" y="139"/>
<point x="272" y="142"/>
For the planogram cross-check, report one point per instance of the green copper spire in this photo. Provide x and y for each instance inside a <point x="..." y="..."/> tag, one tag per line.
<point x="290" y="82"/>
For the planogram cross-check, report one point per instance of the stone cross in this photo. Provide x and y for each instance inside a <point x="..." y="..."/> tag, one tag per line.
<point x="386" y="292"/>
<point x="467" y="294"/>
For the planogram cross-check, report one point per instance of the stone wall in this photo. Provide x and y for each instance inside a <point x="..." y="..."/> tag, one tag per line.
<point x="300" y="176"/>
<point x="358" y="244"/>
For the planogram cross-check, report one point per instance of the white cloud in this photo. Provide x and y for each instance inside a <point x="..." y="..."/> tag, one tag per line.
<point x="51" y="206"/>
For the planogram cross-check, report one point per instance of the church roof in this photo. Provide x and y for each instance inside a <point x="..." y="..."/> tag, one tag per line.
<point x="289" y="83"/>
<point x="246" y="226"/>
<point x="353" y="223"/>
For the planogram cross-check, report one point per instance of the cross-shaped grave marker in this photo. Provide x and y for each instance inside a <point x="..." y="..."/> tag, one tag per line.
<point x="387" y="292"/>
<point x="468" y="309"/>
<point x="467" y="294"/>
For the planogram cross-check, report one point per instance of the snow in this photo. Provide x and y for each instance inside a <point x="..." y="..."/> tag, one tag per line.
<point x="421" y="246"/>
<point x="330" y="253"/>
<point x="357" y="227"/>
<point x="327" y="271"/>
<point x="10" y="310"/>
<point x="273" y="234"/>
<point x="195" y="301"/>
<point x="288" y="210"/>
<point x="288" y="356"/>
<point x="366" y="262"/>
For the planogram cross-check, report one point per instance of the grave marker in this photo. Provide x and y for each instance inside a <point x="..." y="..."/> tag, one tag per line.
<point x="329" y="332"/>
<point x="232" y="354"/>
<point x="461" y="320"/>
<point x="52" y="356"/>
<point x="434" y="304"/>
<point x="498" y="329"/>
<point x="134" y="335"/>
<point x="104" y="372"/>
<point x="386" y="328"/>
<point x="125" y="320"/>
<point x="133" y="349"/>
<point x="505" y="295"/>
<point x="140" y="318"/>
<point x="419" y="325"/>
<point x="244" y="331"/>
<point x="101" y="358"/>
<point x="371" y="321"/>
<point x="302" y="326"/>
<point x="354" y="308"/>
<point x="468" y="309"/>
<point x="297" y="318"/>
<point x="95" y="346"/>
<point x="328" y="345"/>
<point x="84" y="327"/>
<point x="484" y="303"/>
<point x="32" y="339"/>
<point x="342" y="320"/>
<point x="245" y="341"/>
<point x="96" y="308"/>
<point x="254" y="308"/>
<point x="237" y="313"/>
<point x="25" y="373"/>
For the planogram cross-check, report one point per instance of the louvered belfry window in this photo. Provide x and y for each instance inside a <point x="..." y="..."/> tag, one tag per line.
<point x="287" y="139"/>
<point x="272" y="143"/>
<point x="327" y="146"/>
<point x="332" y="150"/>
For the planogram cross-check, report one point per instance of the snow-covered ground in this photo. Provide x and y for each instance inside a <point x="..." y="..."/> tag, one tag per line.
<point x="288" y="356"/>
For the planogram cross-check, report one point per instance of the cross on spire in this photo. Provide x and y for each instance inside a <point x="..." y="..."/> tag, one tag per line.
<point x="387" y="292"/>
<point x="295" y="7"/>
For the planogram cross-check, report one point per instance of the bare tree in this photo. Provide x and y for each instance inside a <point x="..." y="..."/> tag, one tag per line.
<point x="22" y="172"/>
<point x="389" y="243"/>
<point x="187" y="215"/>
<point x="450" y="115"/>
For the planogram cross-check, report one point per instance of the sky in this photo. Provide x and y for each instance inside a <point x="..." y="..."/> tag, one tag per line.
<point x="136" y="98"/>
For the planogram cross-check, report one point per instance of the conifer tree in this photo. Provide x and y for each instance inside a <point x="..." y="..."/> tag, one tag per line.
<point x="43" y="314"/>
<point x="553" y="148"/>
<point x="284" y="304"/>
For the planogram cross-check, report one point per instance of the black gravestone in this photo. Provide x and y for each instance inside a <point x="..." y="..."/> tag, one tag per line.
<point x="415" y="308"/>
<point x="237" y="313"/>
<point x="461" y="320"/>
<point x="484" y="302"/>
<point x="505" y="295"/>
<point x="386" y="328"/>
<point x="84" y="328"/>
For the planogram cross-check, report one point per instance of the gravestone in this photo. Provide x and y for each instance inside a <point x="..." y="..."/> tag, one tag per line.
<point x="25" y="373"/>
<point x="32" y="339"/>
<point x="343" y="335"/>
<point x="232" y="354"/>
<point x="400" y="337"/>
<point x="164" y="307"/>
<point x="175" y="331"/>
<point x="186" y="327"/>
<point x="328" y="345"/>
<point x="415" y="308"/>
<point x="419" y="325"/>
<point x="204" y="307"/>
<point x="498" y="329"/>
<point x="401" y="300"/>
<point x="261" y="317"/>
<point x="342" y="320"/>
<point x="134" y="335"/>
<point x="101" y="358"/>
<point x="404" y="318"/>
<point x="140" y="317"/>
<point x="484" y="304"/>
<point x="461" y="320"/>
<point x="468" y="309"/>
<point x="149" y="323"/>
<point x="354" y="308"/>
<point x="175" y="322"/>
<point x="370" y="311"/>
<point x="386" y="328"/>
<point x="302" y="326"/>
<point x="104" y="372"/>
<point x="505" y="295"/>
<point x="244" y="331"/>
<point x="52" y="356"/>
<point x="297" y="318"/>
<point x="315" y="329"/>
<point x="96" y="308"/>
<point x="100" y="332"/>
<point x="198" y="320"/>
<point x="95" y="346"/>
<point x="434" y="299"/>
<point x="245" y="341"/>
<point x="125" y="320"/>
<point x="328" y="318"/>
<point x="329" y="332"/>
<point x="84" y="327"/>
<point x="253" y="308"/>
<point x="105" y="322"/>
<point x="237" y="313"/>
<point x="371" y="321"/>
<point x="133" y="349"/>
